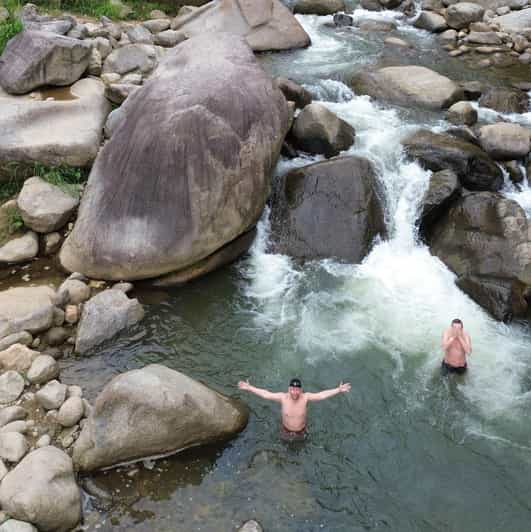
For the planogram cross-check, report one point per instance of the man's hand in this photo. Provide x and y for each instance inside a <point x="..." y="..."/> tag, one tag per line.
<point x="244" y="385"/>
<point x="344" y="387"/>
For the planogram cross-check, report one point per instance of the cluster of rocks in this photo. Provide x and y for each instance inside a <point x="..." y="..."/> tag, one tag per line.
<point x="500" y="35"/>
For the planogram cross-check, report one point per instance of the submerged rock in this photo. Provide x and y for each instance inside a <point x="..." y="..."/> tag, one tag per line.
<point x="154" y="205"/>
<point x="42" y="489"/>
<point x="154" y="411"/>
<point x="328" y="209"/>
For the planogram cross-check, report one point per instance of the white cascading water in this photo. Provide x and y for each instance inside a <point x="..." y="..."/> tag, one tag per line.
<point x="401" y="297"/>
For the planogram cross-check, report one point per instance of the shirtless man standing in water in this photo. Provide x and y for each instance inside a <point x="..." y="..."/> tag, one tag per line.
<point x="294" y="404"/>
<point x="456" y="345"/>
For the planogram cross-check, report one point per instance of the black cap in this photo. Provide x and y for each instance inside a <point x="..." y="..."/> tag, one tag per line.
<point x="295" y="383"/>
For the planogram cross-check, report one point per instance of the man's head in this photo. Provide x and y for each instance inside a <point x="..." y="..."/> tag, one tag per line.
<point x="295" y="388"/>
<point x="457" y="323"/>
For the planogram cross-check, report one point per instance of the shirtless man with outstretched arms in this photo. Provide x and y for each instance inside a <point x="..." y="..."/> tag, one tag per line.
<point x="456" y="344"/>
<point x="294" y="404"/>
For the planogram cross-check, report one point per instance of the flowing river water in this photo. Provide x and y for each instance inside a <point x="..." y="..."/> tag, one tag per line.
<point x="406" y="450"/>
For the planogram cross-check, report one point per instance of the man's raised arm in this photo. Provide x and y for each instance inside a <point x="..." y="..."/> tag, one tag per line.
<point x="264" y="394"/>
<point x="325" y="394"/>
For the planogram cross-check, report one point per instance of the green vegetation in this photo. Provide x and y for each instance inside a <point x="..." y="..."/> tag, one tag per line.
<point x="11" y="26"/>
<point x="14" y="220"/>
<point x="67" y="178"/>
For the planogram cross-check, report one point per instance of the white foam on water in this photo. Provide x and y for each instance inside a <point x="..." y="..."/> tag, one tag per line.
<point x="491" y="116"/>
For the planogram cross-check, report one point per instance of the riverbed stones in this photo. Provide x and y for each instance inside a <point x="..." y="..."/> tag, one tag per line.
<point x="52" y="395"/>
<point x="132" y="57"/>
<point x="220" y="193"/>
<point x="45" y="207"/>
<point x="484" y="239"/>
<point x="34" y="59"/>
<point x="483" y="37"/>
<point x="170" y="38"/>
<point x="475" y="169"/>
<point x="11" y="386"/>
<point x="318" y="130"/>
<point x="462" y="113"/>
<point x="505" y="100"/>
<point x="515" y="22"/>
<point x="462" y="14"/>
<point x="42" y="490"/>
<point x="428" y="20"/>
<point x="328" y="209"/>
<point x="52" y="132"/>
<point x="20" y="248"/>
<point x="505" y="141"/>
<point x="266" y="25"/>
<point x="251" y="526"/>
<point x="18" y="357"/>
<point x="409" y="85"/>
<point x="12" y="413"/>
<point x="13" y="446"/>
<point x="140" y="35"/>
<point x="43" y="369"/>
<point x="318" y="7"/>
<point x="14" y="525"/>
<point x="22" y="337"/>
<point x="105" y="315"/>
<point x="154" y="411"/>
<point x="70" y="412"/>
<point x="76" y="291"/>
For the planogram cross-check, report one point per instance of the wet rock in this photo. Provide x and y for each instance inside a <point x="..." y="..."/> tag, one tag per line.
<point x="35" y="59"/>
<point x="11" y="386"/>
<point x="341" y="20"/>
<point x="515" y="171"/>
<point x="462" y="113"/>
<point x="51" y="396"/>
<point x="104" y="316"/>
<point x="78" y="291"/>
<point x="343" y="192"/>
<point x="42" y="489"/>
<point x="505" y="141"/>
<point x="483" y="238"/>
<point x="472" y="90"/>
<point x="318" y="130"/>
<point x="475" y="169"/>
<point x="45" y="207"/>
<point x="395" y="41"/>
<point x="20" y="249"/>
<point x="18" y="357"/>
<point x="170" y="38"/>
<point x="54" y="133"/>
<point x="409" y="85"/>
<point x="13" y="446"/>
<point x="14" y="525"/>
<point x="462" y="14"/>
<point x="251" y="526"/>
<point x="154" y="411"/>
<point x="505" y="100"/>
<point x="104" y="243"/>
<point x="70" y="412"/>
<point x="376" y="25"/>
<point x="294" y="92"/>
<point x="430" y="21"/>
<point x="43" y="369"/>
<point x="22" y="337"/>
<point x="11" y="413"/>
<point x="318" y="7"/>
<point x="265" y="24"/>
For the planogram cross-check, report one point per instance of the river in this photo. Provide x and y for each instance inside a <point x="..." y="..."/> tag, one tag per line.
<point x="406" y="450"/>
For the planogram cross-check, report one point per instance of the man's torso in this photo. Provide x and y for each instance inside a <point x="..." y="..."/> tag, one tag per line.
<point x="455" y="354"/>
<point x="294" y="413"/>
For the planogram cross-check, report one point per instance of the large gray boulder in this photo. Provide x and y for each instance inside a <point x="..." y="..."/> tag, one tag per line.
<point x="34" y="59"/>
<point x="66" y="131"/>
<point x="104" y="316"/>
<point x="265" y="24"/>
<point x="505" y="141"/>
<point x="45" y="207"/>
<point x="26" y="309"/>
<point x="328" y="209"/>
<point x="515" y="22"/>
<point x="409" y="85"/>
<point x="151" y="412"/>
<point x="430" y="21"/>
<point x="187" y="171"/>
<point x="318" y="130"/>
<point x="42" y="489"/>
<point x="461" y="14"/>
<point x="484" y="239"/>
<point x="475" y="169"/>
<point x="318" y="7"/>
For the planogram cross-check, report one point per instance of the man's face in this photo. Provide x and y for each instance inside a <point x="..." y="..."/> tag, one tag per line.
<point x="294" y="392"/>
<point x="457" y="327"/>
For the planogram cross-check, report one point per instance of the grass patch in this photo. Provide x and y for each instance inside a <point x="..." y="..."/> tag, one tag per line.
<point x="10" y="27"/>
<point x="10" y="223"/>
<point x="67" y="178"/>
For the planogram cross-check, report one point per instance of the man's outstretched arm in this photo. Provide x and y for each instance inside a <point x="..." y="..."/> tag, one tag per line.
<point x="264" y="394"/>
<point x="325" y="394"/>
